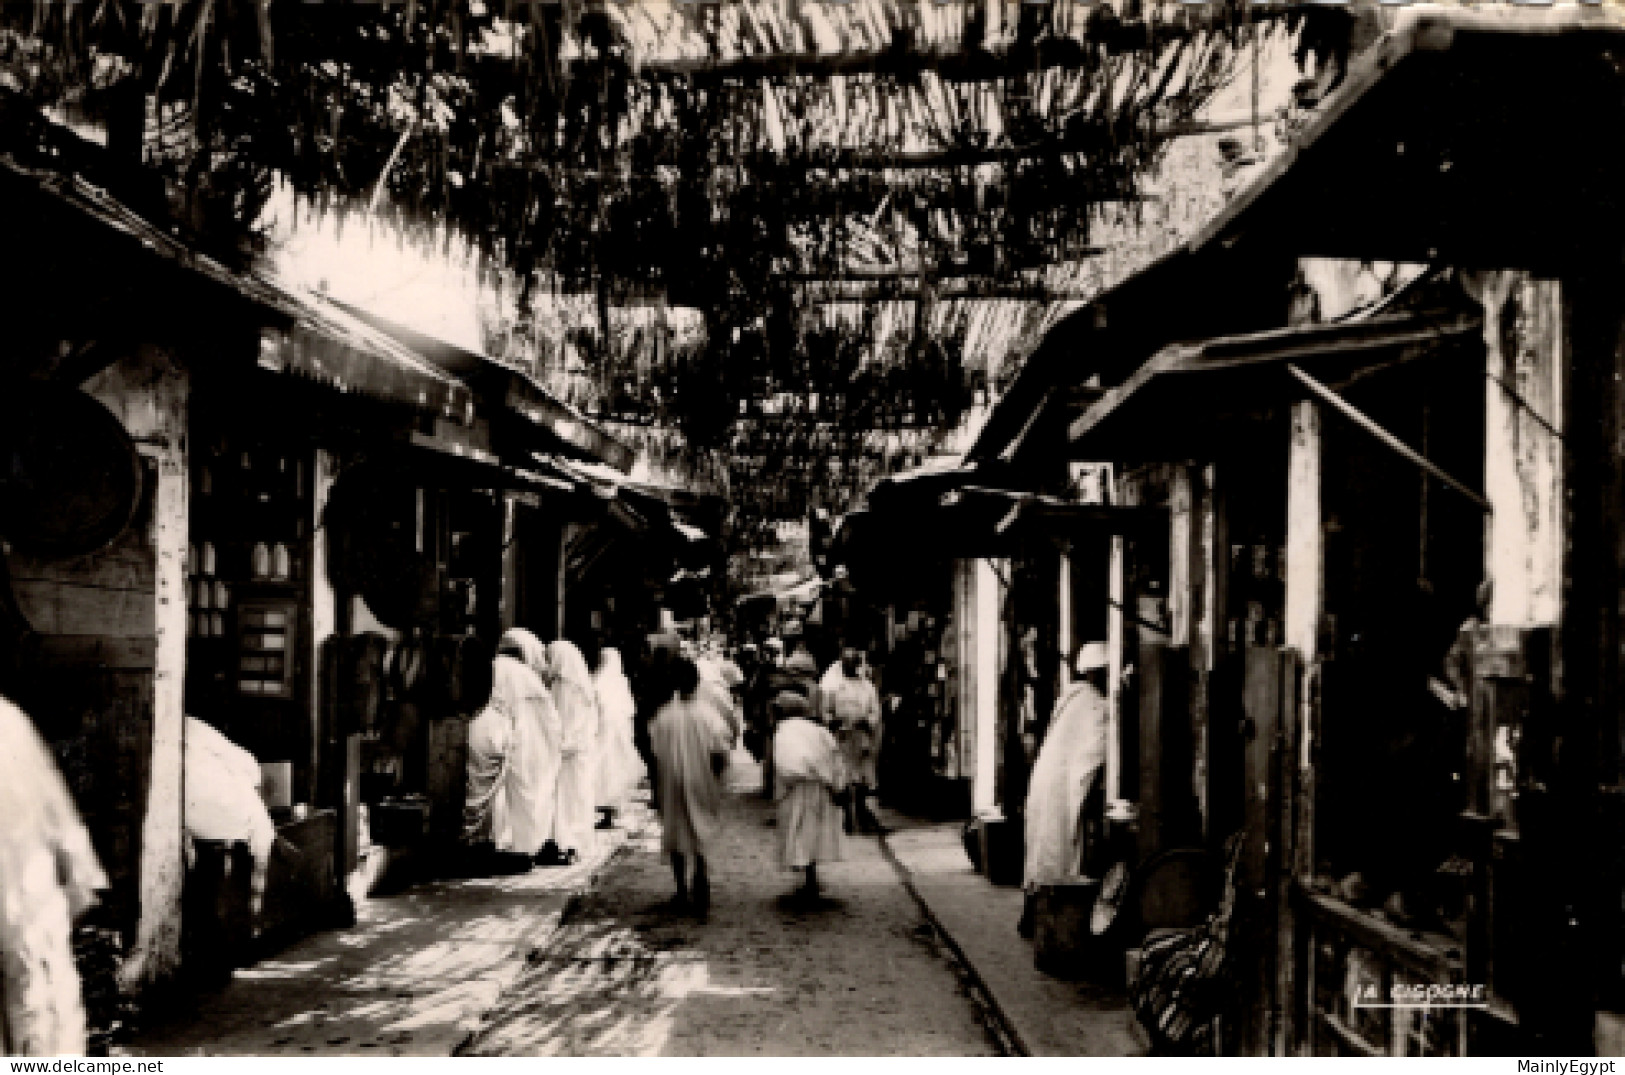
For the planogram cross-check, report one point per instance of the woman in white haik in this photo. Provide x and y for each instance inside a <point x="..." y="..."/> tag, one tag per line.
<point x="534" y="776"/>
<point x="620" y="768"/>
<point x="577" y="702"/>
<point x="1069" y="763"/>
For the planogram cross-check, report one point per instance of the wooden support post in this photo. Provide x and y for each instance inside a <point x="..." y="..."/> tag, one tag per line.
<point x="989" y="637"/>
<point x="1206" y="560"/>
<point x="561" y="579"/>
<point x="1063" y="638"/>
<point x="1305" y="596"/>
<point x="149" y="393"/>
<point x="976" y="619"/>
<point x="323" y="610"/>
<point x="1305" y="550"/>
<point x="336" y="752"/>
<point x="1181" y="523"/>
<point x="1114" y="671"/>
<point x="965" y="676"/>
<point x="1523" y="463"/>
<point x="508" y="603"/>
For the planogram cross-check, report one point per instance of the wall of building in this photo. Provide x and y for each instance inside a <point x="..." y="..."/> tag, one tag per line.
<point x="111" y="664"/>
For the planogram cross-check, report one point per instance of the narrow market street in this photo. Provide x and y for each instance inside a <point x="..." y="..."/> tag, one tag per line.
<point x="587" y="961"/>
<point x="860" y="974"/>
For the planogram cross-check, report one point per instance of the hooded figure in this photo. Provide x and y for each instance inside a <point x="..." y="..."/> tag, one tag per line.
<point x="577" y="702"/>
<point x="533" y="775"/>
<point x="48" y="877"/>
<point x="1069" y="763"/>
<point x="810" y="774"/>
<point x="500" y="811"/>
<point x="620" y="767"/>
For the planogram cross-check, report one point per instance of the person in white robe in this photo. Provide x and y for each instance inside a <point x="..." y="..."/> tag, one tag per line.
<point x="810" y="774"/>
<point x="849" y="706"/>
<point x="691" y="743"/>
<point x="715" y="691"/>
<point x="534" y="773"/>
<point x="223" y="802"/>
<point x="1069" y="765"/>
<point x="621" y="768"/>
<point x="49" y="876"/>
<point x="499" y="816"/>
<point x="576" y="813"/>
<point x="485" y="797"/>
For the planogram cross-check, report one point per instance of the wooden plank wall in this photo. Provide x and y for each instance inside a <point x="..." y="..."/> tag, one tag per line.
<point x="106" y="682"/>
<point x="91" y="691"/>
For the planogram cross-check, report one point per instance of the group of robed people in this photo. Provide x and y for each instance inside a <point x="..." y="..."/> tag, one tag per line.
<point x="549" y="753"/>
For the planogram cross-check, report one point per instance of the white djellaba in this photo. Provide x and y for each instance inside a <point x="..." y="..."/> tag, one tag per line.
<point x="49" y="875"/>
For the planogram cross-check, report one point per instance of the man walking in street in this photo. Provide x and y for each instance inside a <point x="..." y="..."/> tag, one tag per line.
<point x="850" y="707"/>
<point x="691" y="741"/>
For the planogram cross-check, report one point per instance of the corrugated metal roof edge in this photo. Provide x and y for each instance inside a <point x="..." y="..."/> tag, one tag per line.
<point x="297" y="311"/>
<point x="603" y="445"/>
<point x="1375" y="332"/>
<point x="1428" y="27"/>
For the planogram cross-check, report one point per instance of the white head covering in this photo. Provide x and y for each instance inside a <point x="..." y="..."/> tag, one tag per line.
<point x="620" y="767"/>
<point x="567" y="665"/>
<point x="1092" y="655"/>
<point x="521" y="643"/>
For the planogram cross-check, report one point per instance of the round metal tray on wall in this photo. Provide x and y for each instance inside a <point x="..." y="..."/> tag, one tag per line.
<point x="373" y="544"/>
<point x="71" y="480"/>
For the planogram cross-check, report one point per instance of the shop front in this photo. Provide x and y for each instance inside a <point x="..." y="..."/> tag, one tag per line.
<point x="1225" y="756"/>
<point x="166" y="560"/>
<point x="1398" y="681"/>
<point x="991" y="591"/>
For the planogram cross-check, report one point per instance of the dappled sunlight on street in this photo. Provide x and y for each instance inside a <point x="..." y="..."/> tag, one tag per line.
<point x="762" y="973"/>
<point x="414" y="975"/>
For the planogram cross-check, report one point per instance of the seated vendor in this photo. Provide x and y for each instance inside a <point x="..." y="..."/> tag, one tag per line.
<point x="223" y="802"/>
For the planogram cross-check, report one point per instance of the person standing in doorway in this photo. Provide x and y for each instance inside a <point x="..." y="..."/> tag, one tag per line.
<point x="691" y="741"/>
<point x="850" y="707"/>
<point x="1069" y="765"/>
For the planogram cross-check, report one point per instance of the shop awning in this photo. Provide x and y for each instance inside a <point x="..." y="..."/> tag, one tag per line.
<point x="1190" y="399"/>
<point x="645" y="510"/>
<point x="1473" y="137"/>
<point x="328" y="345"/>
<point x="153" y="273"/>
<point x="960" y="512"/>
<point x="463" y="459"/>
<point x="505" y="390"/>
<point x="1003" y="521"/>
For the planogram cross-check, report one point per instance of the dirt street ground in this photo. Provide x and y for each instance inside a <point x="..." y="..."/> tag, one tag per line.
<point x="624" y="976"/>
